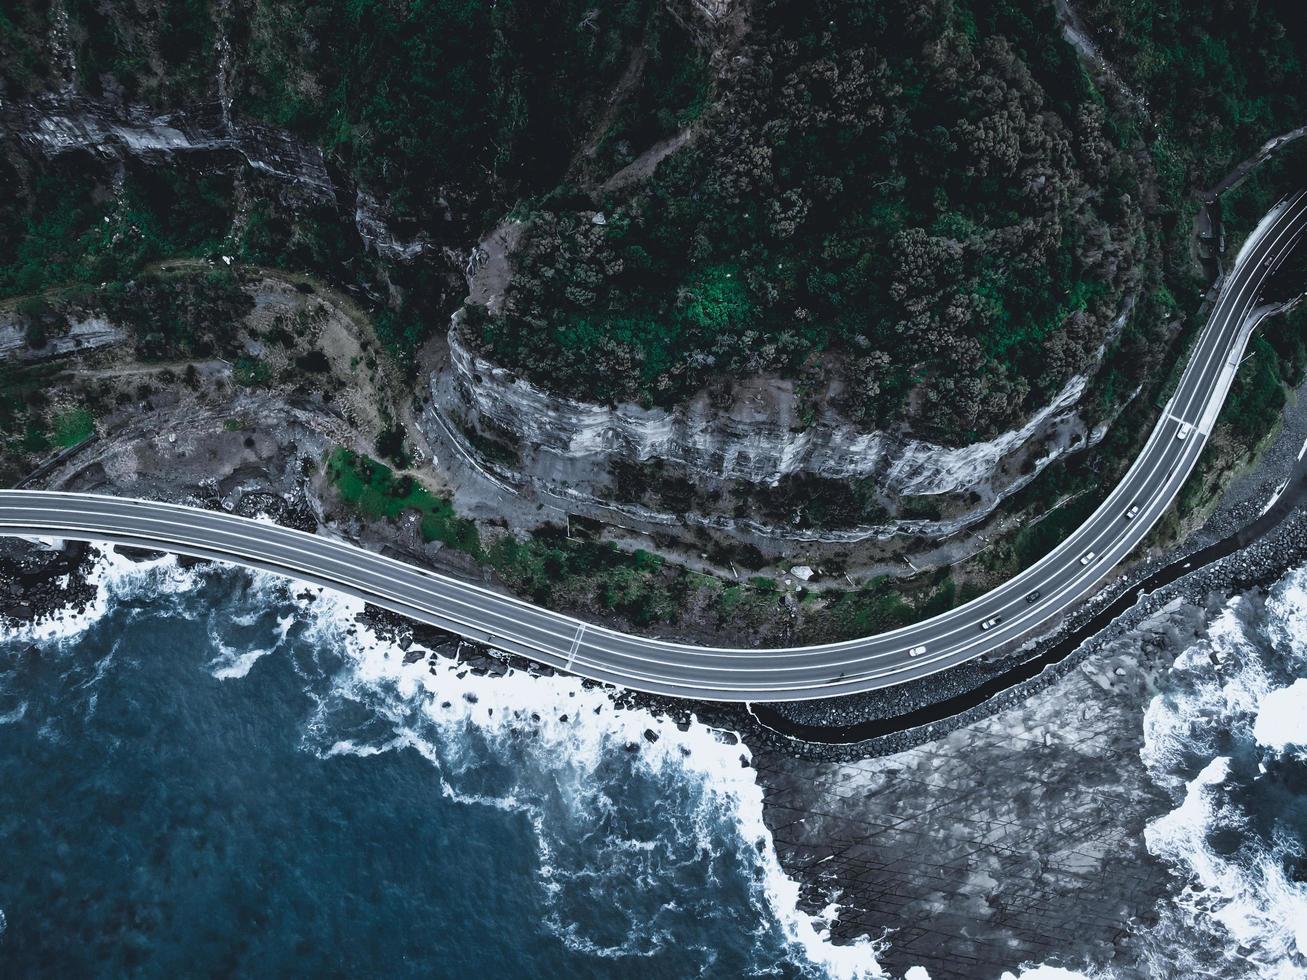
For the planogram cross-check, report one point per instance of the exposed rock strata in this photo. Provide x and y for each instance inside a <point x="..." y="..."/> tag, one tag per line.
<point x="53" y="127"/>
<point x="84" y="334"/>
<point x="565" y="445"/>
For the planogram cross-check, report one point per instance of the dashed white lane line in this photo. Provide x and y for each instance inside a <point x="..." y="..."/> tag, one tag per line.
<point x="1303" y="449"/>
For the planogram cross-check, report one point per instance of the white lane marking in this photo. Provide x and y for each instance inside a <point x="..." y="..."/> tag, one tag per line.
<point x="1012" y="588"/>
<point x="1232" y="299"/>
<point x="289" y="536"/>
<point x="1302" y="450"/>
<point x="860" y="642"/>
<point x="1274" y="497"/>
<point x="576" y="644"/>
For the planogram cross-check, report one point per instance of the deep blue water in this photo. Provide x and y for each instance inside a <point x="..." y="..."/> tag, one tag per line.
<point x="335" y="813"/>
<point x="219" y="774"/>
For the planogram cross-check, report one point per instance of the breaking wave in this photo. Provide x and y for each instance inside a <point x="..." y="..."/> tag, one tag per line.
<point x="621" y="802"/>
<point x="559" y="752"/>
<point x="1226" y="740"/>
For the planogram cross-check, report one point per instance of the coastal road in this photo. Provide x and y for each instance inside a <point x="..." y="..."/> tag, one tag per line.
<point x="1035" y="598"/>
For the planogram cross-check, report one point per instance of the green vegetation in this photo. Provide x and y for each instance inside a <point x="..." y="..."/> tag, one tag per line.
<point x="1244" y="206"/>
<point x="154" y="51"/>
<point x="875" y="609"/>
<point x="377" y="493"/>
<point x="73" y="426"/>
<point x="549" y="568"/>
<point x="193" y="313"/>
<point x="1220" y="78"/>
<point x="32" y="423"/>
<point x="69" y="231"/>
<point x="937" y="196"/>
<point x="417" y="97"/>
<point x="1275" y="366"/>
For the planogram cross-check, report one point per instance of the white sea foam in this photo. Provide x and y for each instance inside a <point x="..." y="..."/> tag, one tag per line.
<point x="1282" y="718"/>
<point x="574" y="730"/>
<point x="13" y="715"/>
<point x="232" y="663"/>
<point x="1042" y="972"/>
<point x="1232" y="700"/>
<point x="575" y="733"/>
<point x="114" y="578"/>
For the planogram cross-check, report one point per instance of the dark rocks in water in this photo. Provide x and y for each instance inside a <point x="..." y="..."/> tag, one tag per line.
<point x="650" y="735"/>
<point x="139" y="554"/>
<point x="469" y="697"/>
<point x="17" y="610"/>
<point x="38" y="581"/>
<point x="631" y="747"/>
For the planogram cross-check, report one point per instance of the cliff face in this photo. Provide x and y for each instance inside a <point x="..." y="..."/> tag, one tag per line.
<point x="51" y="127"/>
<point x="758" y="438"/>
<point x="59" y="126"/>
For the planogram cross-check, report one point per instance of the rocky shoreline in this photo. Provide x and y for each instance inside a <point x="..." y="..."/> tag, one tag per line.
<point x="1009" y="833"/>
<point x="1014" y="831"/>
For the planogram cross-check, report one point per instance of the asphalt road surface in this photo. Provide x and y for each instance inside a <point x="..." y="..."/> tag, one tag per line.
<point x="1058" y="582"/>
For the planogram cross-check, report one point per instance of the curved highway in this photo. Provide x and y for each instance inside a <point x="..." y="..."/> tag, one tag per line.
<point x="1035" y="597"/>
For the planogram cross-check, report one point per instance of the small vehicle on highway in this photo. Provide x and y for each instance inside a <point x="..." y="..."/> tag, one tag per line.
<point x="1033" y="596"/>
<point x="990" y="623"/>
<point x="1183" y="434"/>
<point x="917" y="651"/>
<point x="1086" y="558"/>
<point x="1130" y="514"/>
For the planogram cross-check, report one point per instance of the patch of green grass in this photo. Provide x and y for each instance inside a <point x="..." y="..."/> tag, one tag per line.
<point x="374" y="490"/>
<point x="249" y="372"/>
<point x="73" y="426"/>
<point x="551" y="568"/>
<point x="874" y="609"/>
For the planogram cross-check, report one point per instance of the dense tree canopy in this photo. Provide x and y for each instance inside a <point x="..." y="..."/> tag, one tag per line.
<point x="1219" y="76"/>
<point x="919" y="207"/>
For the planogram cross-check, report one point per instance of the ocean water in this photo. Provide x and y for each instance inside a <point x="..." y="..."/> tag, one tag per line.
<point x="220" y="773"/>
<point x="1228" y="740"/>
<point x="216" y="772"/>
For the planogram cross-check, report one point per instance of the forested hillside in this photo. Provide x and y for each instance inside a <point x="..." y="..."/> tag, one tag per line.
<point x="1220" y="77"/>
<point x="925" y="213"/>
<point x="929" y="201"/>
